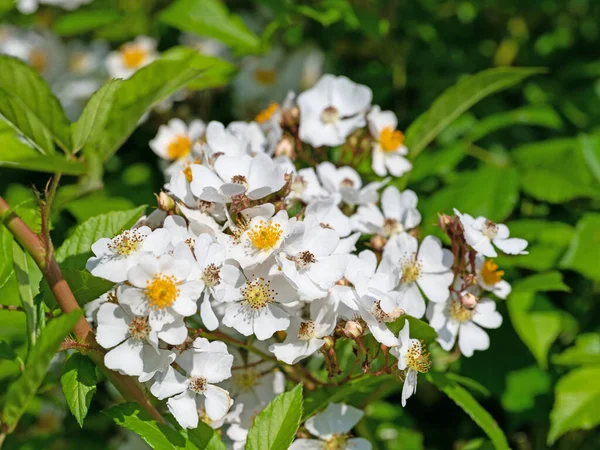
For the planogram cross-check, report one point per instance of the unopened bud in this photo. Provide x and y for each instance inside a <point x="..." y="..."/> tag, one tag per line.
<point x="468" y="300"/>
<point x="378" y="242"/>
<point x="329" y="343"/>
<point x="165" y="201"/>
<point x="353" y="329"/>
<point x="343" y="282"/>
<point x="285" y="147"/>
<point x="353" y="140"/>
<point x="444" y="221"/>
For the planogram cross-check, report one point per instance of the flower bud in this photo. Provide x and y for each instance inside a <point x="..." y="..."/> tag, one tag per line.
<point x="165" y="202"/>
<point x="378" y="242"/>
<point x="285" y="147"/>
<point x="444" y="221"/>
<point x="329" y="343"/>
<point x="468" y="300"/>
<point x="353" y="329"/>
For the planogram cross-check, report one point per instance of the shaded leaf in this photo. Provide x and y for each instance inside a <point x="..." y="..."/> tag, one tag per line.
<point x="584" y="252"/>
<point x="585" y="351"/>
<point x="523" y="386"/>
<point x="79" y="385"/>
<point x="84" y="285"/>
<point x="78" y="22"/>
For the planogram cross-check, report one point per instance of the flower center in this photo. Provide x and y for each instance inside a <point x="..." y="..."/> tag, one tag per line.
<point x="132" y="55"/>
<point x="299" y="184"/>
<point x="391" y="227"/>
<point x="239" y="179"/>
<point x="336" y="442"/>
<point x="266" y="113"/>
<point x="266" y="77"/>
<point x="211" y="275"/>
<point x="265" y="236"/>
<point x="489" y="229"/>
<point x="307" y="330"/>
<point x="258" y="293"/>
<point x="197" y="384"/>
<point x="304" y="259"/>
<point x="347" y="183"/>
<point x="162" y="291"/>
<point x="411" y="269"/>
<point x="390" y="139"/>
<point x="330" y="115"/>
<point x="246" y="379"/>
<point x="382" y="316"/>
<point x="459" y="312"/>
<point x="126" y="243"/>
<point x="79" y="62"/>
<point x="179" y="147"/>
<point x="417" y="358"/>
<point x="490" y="273"/>
<point x="139" y="328"/>
<point x="38" y="60"/>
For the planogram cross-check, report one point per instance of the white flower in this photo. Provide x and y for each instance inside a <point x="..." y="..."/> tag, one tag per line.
<point x="330" y="215"/>
<point x="131" y="56"/>
<point x="174" y="141"/>
<point x="262" y="237"/>
<point x="400" y="214"/>
<point x="204" y="365"/>
<point x="344" y="183"/>
<point x="452" y="319"/>
<point x="304" y="338"/>
<point x="307" y="259"/>
<point x="490" y="278"/>
<point x="221" y="141"/>
<point x="331" y="110"/>
<point x="135" y="351"/>
<point x="426" y="268"/>
<point x="251" y="133"/>
<point x="31" y="6"/>
<point x="162" y="289"/>
<point x="480" y="233"/>
<point x="114" y="257"/>
<point x="412" y="358"/>
<point x="332" y="427"/>
<point x="388" y="148"/>
<point x="256" y="177"/>
<point x="258" y="308"/>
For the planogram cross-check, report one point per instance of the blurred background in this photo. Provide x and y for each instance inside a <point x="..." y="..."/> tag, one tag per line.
<point x="529" y="157"/>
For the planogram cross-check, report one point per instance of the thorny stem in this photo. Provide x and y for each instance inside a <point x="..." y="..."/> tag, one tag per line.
<point x="34" y="245"/>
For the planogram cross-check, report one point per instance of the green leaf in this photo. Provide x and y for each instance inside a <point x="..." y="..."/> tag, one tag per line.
<point x="466" y="401"/>
<point x="95" y="113"/>
<point x="522" y="388"/>
<point x="542" y="116"/>
<point x="542" y="282"/>
<point x="590" y="148"/>
<point x="79" y="385"/>
<point x="576" y="405"/>
<point x="211" y="18"/>
<point x="78" y="22"/>
<point x="418" y="329"/>
<point x="488" y="191"/>
<point x="6" y="351"/>
<point x="440" y="163"/>
<point x="21" y="391"/>
<point x="28" y="104"/>
<point x="204" y="437"/>
<point x="18" y="155"/>
<point x="133" y="97"/>
<point x="6" y="255"/>
<point x="76" y="249"/>
<point x="536" y="321"/>
<point x="584" y="252"/>
<point x="585" y="351"/>
<point x="84" y="285"/>
<point x="158" y="435"/>
<point x="458" y="99"/>
<point x="276" y="425"/>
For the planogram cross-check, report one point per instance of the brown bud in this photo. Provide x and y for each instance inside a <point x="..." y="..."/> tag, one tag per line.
<point x="378" y="242"/>
<point x="285" y="147"/>
<point x="353" y="329"/>
<point x="468" y="300"/>
<point x="165" y="201"/>
<point x="444" y="221"/>
<point x="329" y="343"/>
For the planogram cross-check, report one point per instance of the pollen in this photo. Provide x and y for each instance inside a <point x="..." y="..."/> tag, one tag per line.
<point x="489" y="229"/>
<point x="411" y="269"/>
<point x="304" y="260"/>
<point x="390" y="139"/>
<point x="391" y="227"/>
<point x="307" y="330"/>
<point x="139" y="328"/>
<point x="187" y="171"/>
<point x="265" y="236"/>
<point x="382" y="316"/>
<point x="38" y="60"/>
<point x="457" y="311"/>
<point x="245" y="379"/>
<point x="336" y="442"/>
<point x="126" y="243"/>
<point x="258" y="293"/>
<point x="197" y="385"/>
<point x="266" y="113"/>
<point x="133" y="55"/>
<point x="211" y="275"/>
<point x="162" y="291"/>
<point x="330" y="115"/>
<point x="266" y="77"/>
<point x="490" y="273"/>
<point x="239" y="179"/>
<point x="179" y="147"/>
<point x="417" y="358"/>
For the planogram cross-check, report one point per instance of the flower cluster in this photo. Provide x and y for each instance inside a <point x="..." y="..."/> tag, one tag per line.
<point x="263" y="253"/>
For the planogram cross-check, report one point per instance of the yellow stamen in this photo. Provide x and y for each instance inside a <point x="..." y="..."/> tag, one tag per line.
<point x="336" y="442"/>
<point x="459" y="312"/>
<point x="162" y="291"/>
<point x="411" y="270"/>
<point x="126" y="243"/>
<point x="490" y="273"/>
<point x="258" y="293"/>
<point x="133" y="55"/>
<point x="265" y="236"/>
<point x="265" y="77"/>
<point x="417" y="358"/>
<point x="179" y="147"/>
<point x="38" y="60"/>
<point x="266" y="113"/>
<point x="390" y="139"/>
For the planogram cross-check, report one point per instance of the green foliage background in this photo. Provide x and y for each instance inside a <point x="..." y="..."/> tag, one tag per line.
<point x="528" y="156"/>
